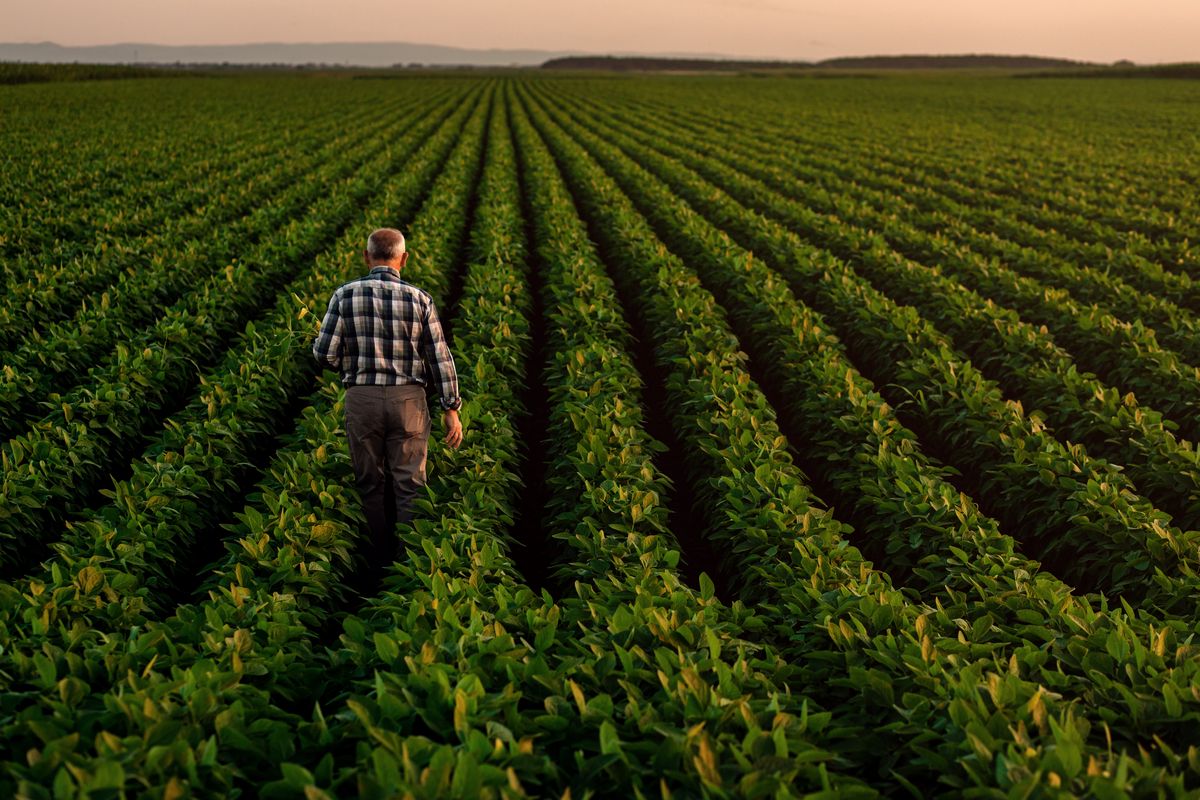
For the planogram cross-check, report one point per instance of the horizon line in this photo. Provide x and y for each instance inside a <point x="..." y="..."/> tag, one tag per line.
<point x="592" y="53"/>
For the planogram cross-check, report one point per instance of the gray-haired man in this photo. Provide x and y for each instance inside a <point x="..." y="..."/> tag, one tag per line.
<point x="384" y="336"/>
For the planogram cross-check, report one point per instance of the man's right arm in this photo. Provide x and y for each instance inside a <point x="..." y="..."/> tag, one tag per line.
<point x="327" y="348"/>
<point x="436" y="354"/>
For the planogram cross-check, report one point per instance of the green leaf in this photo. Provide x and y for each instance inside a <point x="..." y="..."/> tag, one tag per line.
<point x="108" y="775"/>
<point x="1171" y="700"/>
<point x="296" y="776"/>
<point x="387" y="647"/>
<point x="610" y="743"/>
<point x="714" y="643"/>
<point x="45" y="670"/>
<point x="621" y="620"/>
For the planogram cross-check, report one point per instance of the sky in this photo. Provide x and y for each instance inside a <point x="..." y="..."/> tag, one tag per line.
<point x="1094" y="30"/>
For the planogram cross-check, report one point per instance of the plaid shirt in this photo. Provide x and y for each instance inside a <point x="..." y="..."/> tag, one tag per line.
<point x="381" y="331"/>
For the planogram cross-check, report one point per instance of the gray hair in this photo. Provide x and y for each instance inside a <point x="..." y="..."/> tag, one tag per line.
<point x="385" y="244"/>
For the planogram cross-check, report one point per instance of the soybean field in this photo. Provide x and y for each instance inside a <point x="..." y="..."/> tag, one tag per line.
<point x="823" y="438"/>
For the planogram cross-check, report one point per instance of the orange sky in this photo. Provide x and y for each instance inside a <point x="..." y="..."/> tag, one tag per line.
<point x="1098" y="30"/>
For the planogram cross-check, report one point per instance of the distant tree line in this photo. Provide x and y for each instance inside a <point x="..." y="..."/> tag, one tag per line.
<point x="16" y="72"/>
<point x="1125" y="69"/>
<point x="949" y="62"/>
<point x="640" y="64"/>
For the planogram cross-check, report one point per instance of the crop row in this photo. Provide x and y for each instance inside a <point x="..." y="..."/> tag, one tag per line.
<point x="1127" y="354"/>
<point x="1125" y="284"/>
<point x="760" y="512"/>
<point x="885" y="678"/>
<point x="137" y="538"/>
<point x="94" y="177"/>
<point x="65" y="180"/>
<point x="1128" y="283"/>
<point x="489" y="647"/>
<point x="247" y="650"/>
<point x="1144" y="205"/>
<point x="456" y="708"/>
<point x="1026" y="360"/>
<point x="882" y="482"/>
<point x="53" y="285"/>
<point x="953" y="211"/>
<point x="1078" y="407"/>
<point x="656" y="655"/>
<point x="1026" y="203"/>
<point x="400" y="663"/>
<point x="606" y="270"/>
<point x="58" y="355"/>
<point x="63" y="458"/>
<point x="1063" y="493"/>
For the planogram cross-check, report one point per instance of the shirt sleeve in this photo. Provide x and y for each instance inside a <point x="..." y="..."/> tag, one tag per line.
<point x="436" y="355"/>
<point x="327" y="348"/>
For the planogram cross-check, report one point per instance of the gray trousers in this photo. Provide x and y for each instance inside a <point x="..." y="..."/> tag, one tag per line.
<point x="388" y="432"/>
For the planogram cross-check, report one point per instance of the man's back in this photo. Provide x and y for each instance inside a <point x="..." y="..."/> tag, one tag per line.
<point x="383" y="331"/>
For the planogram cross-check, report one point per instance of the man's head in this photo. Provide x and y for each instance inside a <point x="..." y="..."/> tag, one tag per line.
<point x="385" y="248"/>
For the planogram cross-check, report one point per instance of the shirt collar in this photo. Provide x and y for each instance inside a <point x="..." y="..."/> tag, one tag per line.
<point x="382" y="269"/>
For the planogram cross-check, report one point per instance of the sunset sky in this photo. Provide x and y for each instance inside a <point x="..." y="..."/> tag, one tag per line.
<point x="1097" y="30"/>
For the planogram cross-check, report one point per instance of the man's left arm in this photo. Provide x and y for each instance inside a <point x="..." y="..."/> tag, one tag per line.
<point x="327" y="347"/>
<point x="436" y="354"/>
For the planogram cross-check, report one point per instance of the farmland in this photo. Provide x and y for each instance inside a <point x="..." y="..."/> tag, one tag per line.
<point x="822" y="436"/>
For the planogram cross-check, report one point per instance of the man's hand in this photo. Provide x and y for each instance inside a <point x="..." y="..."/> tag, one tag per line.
<point x="454" y="431"/>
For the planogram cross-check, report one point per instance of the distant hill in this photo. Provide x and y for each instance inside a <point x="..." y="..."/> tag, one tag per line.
<point x="364" y="54"/>
<point x="622" y="63"/>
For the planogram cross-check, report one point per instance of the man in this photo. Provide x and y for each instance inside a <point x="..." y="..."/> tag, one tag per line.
<point x="384" y="336"/>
